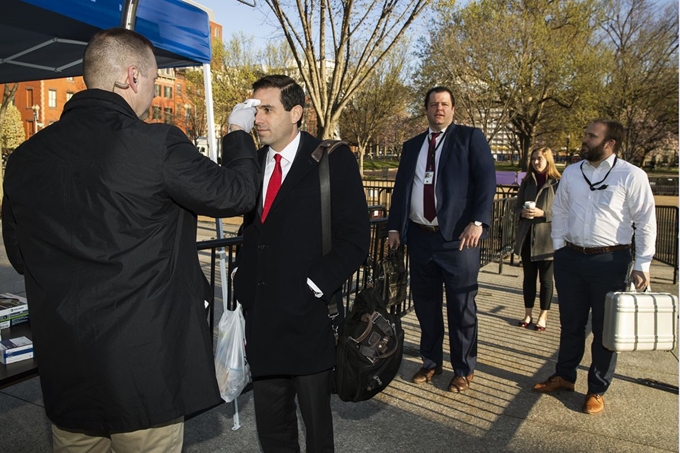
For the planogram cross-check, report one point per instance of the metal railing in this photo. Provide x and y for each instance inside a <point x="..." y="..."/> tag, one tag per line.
<point x="355" y="283"/>
<point x="667" y="237"/>
<point x="664" y="185"/>
<point x="497" y="246"/>
<point x="500" y="240"/>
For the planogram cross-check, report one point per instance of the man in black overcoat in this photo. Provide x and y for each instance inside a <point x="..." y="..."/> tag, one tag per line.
<point x="99" y="215"/>
<point x="284" y="281"/>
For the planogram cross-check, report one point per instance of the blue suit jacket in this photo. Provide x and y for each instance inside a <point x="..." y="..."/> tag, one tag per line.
<point x="465" y="185"/>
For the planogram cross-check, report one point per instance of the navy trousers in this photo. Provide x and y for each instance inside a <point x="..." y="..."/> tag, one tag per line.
<point x="582" y="283"/>
<point x="437" y="265"/>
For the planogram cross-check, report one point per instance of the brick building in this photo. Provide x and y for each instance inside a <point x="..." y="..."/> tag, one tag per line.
<point x="41" y="102"/>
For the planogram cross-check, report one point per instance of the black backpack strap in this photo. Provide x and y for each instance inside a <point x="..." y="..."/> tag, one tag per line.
<point x="320" y="154"/>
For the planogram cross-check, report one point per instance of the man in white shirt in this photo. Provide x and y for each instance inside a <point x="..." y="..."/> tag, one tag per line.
<point x="600" y="204"/>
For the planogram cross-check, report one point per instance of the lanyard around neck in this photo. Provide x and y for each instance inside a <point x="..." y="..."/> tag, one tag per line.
<point x="431" y="156"/>
<point x="592" y="185"/>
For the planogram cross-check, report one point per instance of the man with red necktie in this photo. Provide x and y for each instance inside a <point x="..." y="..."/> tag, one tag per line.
<point x="284" y="281"/>
<point x="442" y="201"/>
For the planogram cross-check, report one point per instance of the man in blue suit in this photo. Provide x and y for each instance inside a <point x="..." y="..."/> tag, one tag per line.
<point x="442" y="201"/>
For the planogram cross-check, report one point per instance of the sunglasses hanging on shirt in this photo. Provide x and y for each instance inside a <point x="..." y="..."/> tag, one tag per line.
<point x="592" y="185"/>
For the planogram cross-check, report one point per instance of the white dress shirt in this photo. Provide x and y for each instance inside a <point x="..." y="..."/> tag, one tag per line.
<point x="417" y="213"/>
<point x="600" y="218"/>
<point x="287" y="157"/>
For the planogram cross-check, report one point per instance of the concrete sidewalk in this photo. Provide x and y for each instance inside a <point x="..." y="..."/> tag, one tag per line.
<point x="499" y="413"/>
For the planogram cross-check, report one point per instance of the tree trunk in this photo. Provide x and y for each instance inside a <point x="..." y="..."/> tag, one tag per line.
<point x="361" y="150"/>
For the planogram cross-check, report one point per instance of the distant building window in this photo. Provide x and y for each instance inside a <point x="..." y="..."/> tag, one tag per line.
<point x="29" y="98"/>
<point x="168" y="115"/>
<point x="69" y="79"/>
<point x="157" y="87"/>
<point x="69" y="95"/>
<point x="167" y="92"/>
<point x="156" y="112"/>
<point x="179" y="89"/>
<point x="52" y="99"/>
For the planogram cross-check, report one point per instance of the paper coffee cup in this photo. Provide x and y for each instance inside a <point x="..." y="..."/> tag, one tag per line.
<point x="529" y="204"/>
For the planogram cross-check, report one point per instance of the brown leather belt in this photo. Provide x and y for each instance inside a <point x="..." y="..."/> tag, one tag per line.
<point x="430" y="229"/>
<point x="598" y="250"/>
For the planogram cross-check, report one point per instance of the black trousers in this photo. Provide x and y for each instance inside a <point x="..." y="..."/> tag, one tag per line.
<point x="532" y="269"/>
<point x="582" y="285"/>
<point x="276" y="412"/>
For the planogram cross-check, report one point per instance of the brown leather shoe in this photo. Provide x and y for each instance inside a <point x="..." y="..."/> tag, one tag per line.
<point x="554" y="384"/>
<point x="594" y="403"/>
<point x="460" y="383"/>
<point x="424" y="375"/>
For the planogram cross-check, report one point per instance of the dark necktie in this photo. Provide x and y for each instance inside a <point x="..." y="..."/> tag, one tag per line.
<point x="273" y="186"/>
<point x="429" y="208"/>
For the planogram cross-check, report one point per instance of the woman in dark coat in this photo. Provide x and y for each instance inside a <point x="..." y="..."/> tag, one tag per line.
<point x="533" y="242"/>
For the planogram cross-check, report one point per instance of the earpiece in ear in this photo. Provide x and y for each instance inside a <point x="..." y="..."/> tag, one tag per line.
<point x="134" y="79"/>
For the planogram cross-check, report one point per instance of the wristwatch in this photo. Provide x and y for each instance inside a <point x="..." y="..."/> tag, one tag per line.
<point x="477" y="223"/>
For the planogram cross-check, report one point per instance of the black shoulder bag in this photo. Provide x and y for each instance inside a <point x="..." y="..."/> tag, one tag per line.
<point x="370" y="346"/>
<point x="392" y="277"/>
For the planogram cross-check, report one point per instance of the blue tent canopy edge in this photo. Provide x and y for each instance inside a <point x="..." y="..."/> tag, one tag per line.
<point x="44" y="39"/>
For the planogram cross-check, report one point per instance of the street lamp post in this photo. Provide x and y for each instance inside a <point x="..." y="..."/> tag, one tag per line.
<point x="568" y="151"/>
<point x="36" y="112"/>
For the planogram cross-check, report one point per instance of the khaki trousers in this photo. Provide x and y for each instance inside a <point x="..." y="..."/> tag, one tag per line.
<point x="166" y="438"/>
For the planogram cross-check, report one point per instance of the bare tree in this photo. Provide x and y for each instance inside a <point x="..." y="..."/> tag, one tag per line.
<point x="337" y="44"/>
<point x="515" y="63"/>
<point x="642" y="88"/>
<point x="234" y="68"/>
<point x="381" y="100"/>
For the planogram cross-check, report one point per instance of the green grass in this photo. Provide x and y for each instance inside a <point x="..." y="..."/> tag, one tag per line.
<point x="379" y="164"/>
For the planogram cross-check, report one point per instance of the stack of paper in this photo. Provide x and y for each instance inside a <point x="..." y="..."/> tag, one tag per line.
<point x="15" y="349"/>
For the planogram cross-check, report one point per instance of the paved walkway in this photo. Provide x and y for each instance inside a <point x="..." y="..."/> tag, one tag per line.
<point x="499" y="414"/>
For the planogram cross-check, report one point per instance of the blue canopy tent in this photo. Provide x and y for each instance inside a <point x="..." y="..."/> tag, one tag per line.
<point x="45" y="39"/>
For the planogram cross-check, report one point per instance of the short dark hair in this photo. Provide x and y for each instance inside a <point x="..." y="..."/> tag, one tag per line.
<point x="111" y="51"/>
<point x="615" y="131"/>
<point x="292" y="93"/>
<point x="439" y="90"/>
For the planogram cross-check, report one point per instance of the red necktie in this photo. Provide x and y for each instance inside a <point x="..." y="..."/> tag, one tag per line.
<point x="273" y="186"/>
<point x="429" y="208"/>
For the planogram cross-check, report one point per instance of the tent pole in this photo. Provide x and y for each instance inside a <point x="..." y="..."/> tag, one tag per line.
<point x="129" y="15"/>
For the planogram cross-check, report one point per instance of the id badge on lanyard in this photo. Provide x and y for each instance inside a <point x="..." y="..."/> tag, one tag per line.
<point x="429" y="174"/>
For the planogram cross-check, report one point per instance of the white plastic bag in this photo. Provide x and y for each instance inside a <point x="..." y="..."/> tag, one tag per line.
<point x="231" y="366"/>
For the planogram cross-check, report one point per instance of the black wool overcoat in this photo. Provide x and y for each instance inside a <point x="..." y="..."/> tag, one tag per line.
<point x="99" y="215"/>
<point x="288" y="331"/>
